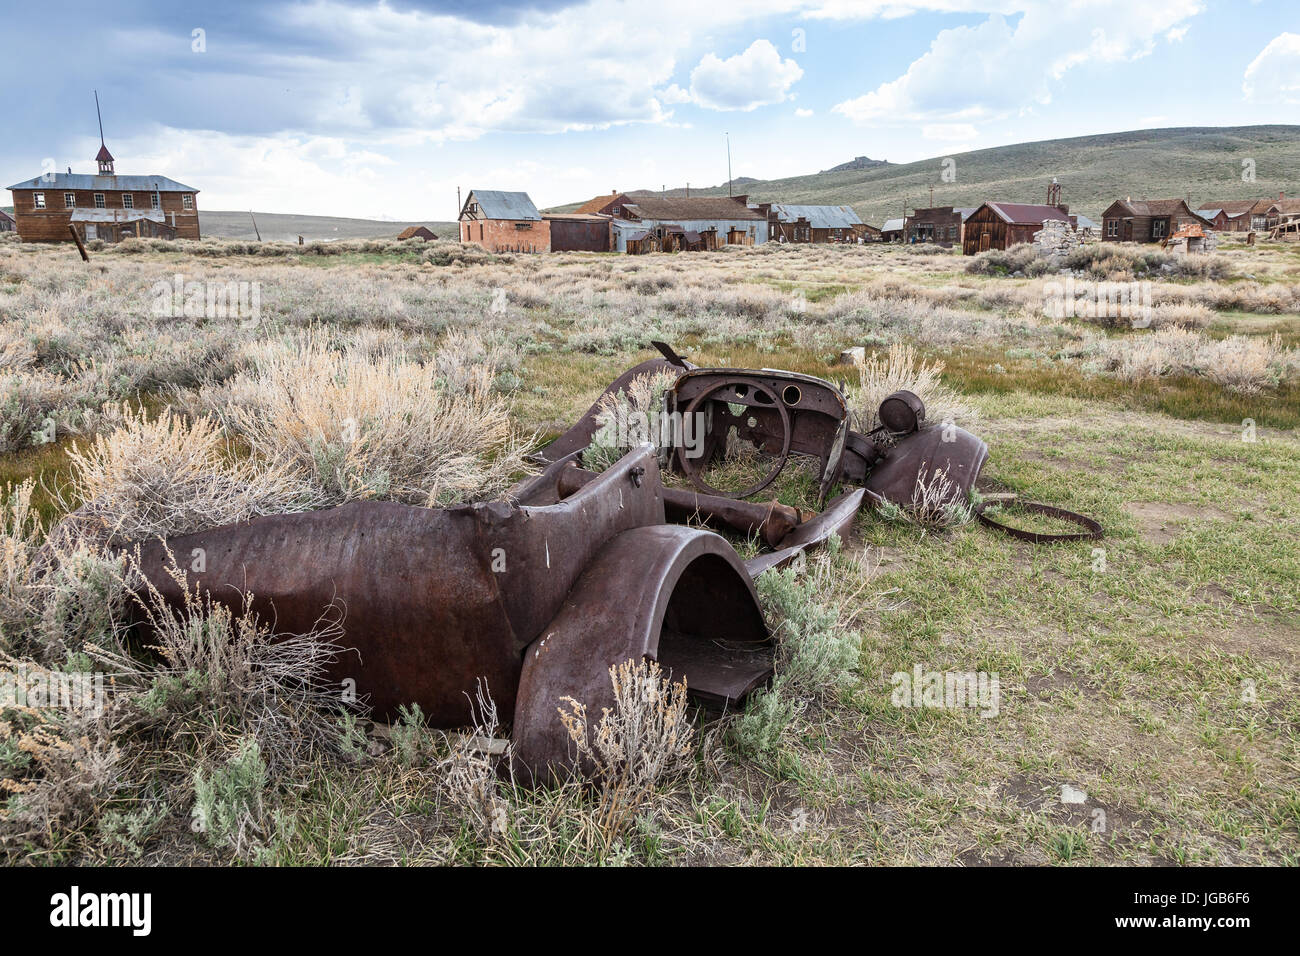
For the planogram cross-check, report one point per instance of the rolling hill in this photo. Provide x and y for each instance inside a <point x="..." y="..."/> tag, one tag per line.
<point x="1204" y="163"/>
<point x="287" y="228"/>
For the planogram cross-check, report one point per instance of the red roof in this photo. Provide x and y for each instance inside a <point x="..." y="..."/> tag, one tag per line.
<point x="103" y="156"/>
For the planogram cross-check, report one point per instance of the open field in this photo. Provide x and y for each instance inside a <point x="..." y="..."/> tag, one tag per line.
<point x="1204" y="163"/>
<point x="1160" y="675"/>
<point x="278" y="227"/>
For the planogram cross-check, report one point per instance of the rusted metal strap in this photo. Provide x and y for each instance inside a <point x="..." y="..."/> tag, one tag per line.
<point x="1093" y="527"/>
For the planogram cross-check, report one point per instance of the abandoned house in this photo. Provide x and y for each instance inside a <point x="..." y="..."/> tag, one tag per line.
<point x="1000" y="225"/>
<point x="787" y="222"/>
<point x="1230" y="215"/>
<point x="892" y="230"/>
<point x="716" y="220"/>
<point x="938" y="224"/>
<point x="6" y="222"/>
<point x="1147" y="220"/>
<point x="417" y="232"/>
<point x="104" y="206"/>
<point x="503" y="222"/>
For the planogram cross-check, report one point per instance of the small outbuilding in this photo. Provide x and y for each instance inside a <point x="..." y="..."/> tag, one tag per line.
<point x="417" y="232"/>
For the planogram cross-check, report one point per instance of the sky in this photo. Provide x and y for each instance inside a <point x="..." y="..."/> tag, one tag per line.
<point x="382" y="110"/>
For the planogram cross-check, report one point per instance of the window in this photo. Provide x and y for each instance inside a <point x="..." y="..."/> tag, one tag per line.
<point x="155" y="201"/>
<point x="128" y="201"/>
<point x="187" y="201"/>
<point x="69" y="200"/>
<point x="39" y="200"/>
<point x="99" y="201"/>
<point x="1112" y="228"/>
<point x="523" y="225"/>
<point x="1159" y="228"/>
<point x="952" y="232"/>
<point x="1257" y="222"/>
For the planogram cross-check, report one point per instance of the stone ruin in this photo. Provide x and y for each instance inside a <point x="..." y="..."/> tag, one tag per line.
<point x="1057" y="237"/>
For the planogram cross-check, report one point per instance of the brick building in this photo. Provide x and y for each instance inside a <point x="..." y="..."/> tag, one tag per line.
<point x="104" y="206"/>
<point x="503" y="222"/>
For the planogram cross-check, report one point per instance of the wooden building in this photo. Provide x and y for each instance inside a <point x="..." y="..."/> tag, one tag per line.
<point x="938" y="224"/>
<point x="788" y="222"/>
<point x="104" y="206"/>
<point x="730" y="218"/>
<point x="7" y="223"/>
<point x="1000" y="225"/>
<point x="1147" y="220"/>
<point x="1230" y="215"/>
<point x="892" y="230"/>
<point x="417" y="232"/>
<point x="503" y="222"/>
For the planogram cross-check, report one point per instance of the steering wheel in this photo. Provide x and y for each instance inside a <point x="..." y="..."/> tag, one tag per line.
<point x="693" y="466"/>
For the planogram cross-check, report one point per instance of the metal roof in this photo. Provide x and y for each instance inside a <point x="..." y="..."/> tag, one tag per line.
<point x="1083" y="222"/>
<point x="892" y="225"/>
<point x="1027" y="213"/>
<point x="819" y="217"/>
<point x="496" y="204"/>
<point x="135" y="184"/>
<point x="86" y="214"/>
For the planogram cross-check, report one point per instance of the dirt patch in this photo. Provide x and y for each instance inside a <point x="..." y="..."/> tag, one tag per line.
<point x="1160" y="522"/>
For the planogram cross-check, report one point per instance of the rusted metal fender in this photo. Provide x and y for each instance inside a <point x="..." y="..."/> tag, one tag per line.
<point x="837" y="519"/>
<point x="579" y="436"/>
<point x="673" y="594"/>
<point x="431" y="599"/>
<point x="934" y="448"/>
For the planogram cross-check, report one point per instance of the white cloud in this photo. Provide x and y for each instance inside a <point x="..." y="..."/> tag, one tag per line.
<point x="1274" y="75"/>
<point x="803" y="113"/>
<point x="746" y="81"/>
<point x="998" y="68"/>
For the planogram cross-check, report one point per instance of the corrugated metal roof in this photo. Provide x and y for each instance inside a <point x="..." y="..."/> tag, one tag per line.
<point x="497" y="204"/>
<point x="1027" y="213"/>
<point x="965" y="211"/>
<point x="86" y="214"/>
<point x="1210" y="213"/>
<point x="819" y="217"/>
<point x="892" y="225"/>
<point x="1083" y="222"/>
<point x="135" y="184"/>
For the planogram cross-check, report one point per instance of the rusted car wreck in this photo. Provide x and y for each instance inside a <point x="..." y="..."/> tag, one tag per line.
<point x="540" y="593"/>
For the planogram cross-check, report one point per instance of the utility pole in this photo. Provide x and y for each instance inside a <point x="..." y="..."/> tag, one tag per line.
<point x="255" y="229"/>
<point x="728" y="135"/>
<point x="931" y="195"/>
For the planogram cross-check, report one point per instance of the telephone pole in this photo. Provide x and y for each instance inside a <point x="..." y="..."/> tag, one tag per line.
<point x="728" y="135"/>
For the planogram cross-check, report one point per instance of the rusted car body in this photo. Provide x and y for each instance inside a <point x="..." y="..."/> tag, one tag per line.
<point x="540" y="593"/>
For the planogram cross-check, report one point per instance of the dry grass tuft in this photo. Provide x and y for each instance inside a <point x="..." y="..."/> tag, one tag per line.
<point x="898" y="369"/>
<point x="378" y="426"/>
<point x="164" y="477"/>
<point x="645" y="738"/>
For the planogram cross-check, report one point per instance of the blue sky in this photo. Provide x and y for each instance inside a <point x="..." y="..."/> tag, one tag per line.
<point x="343" y="107"/>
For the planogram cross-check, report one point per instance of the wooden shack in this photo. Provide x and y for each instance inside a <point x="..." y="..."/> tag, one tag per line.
<point x="1147" y="220"/>
<point x="1000" y="225"/>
